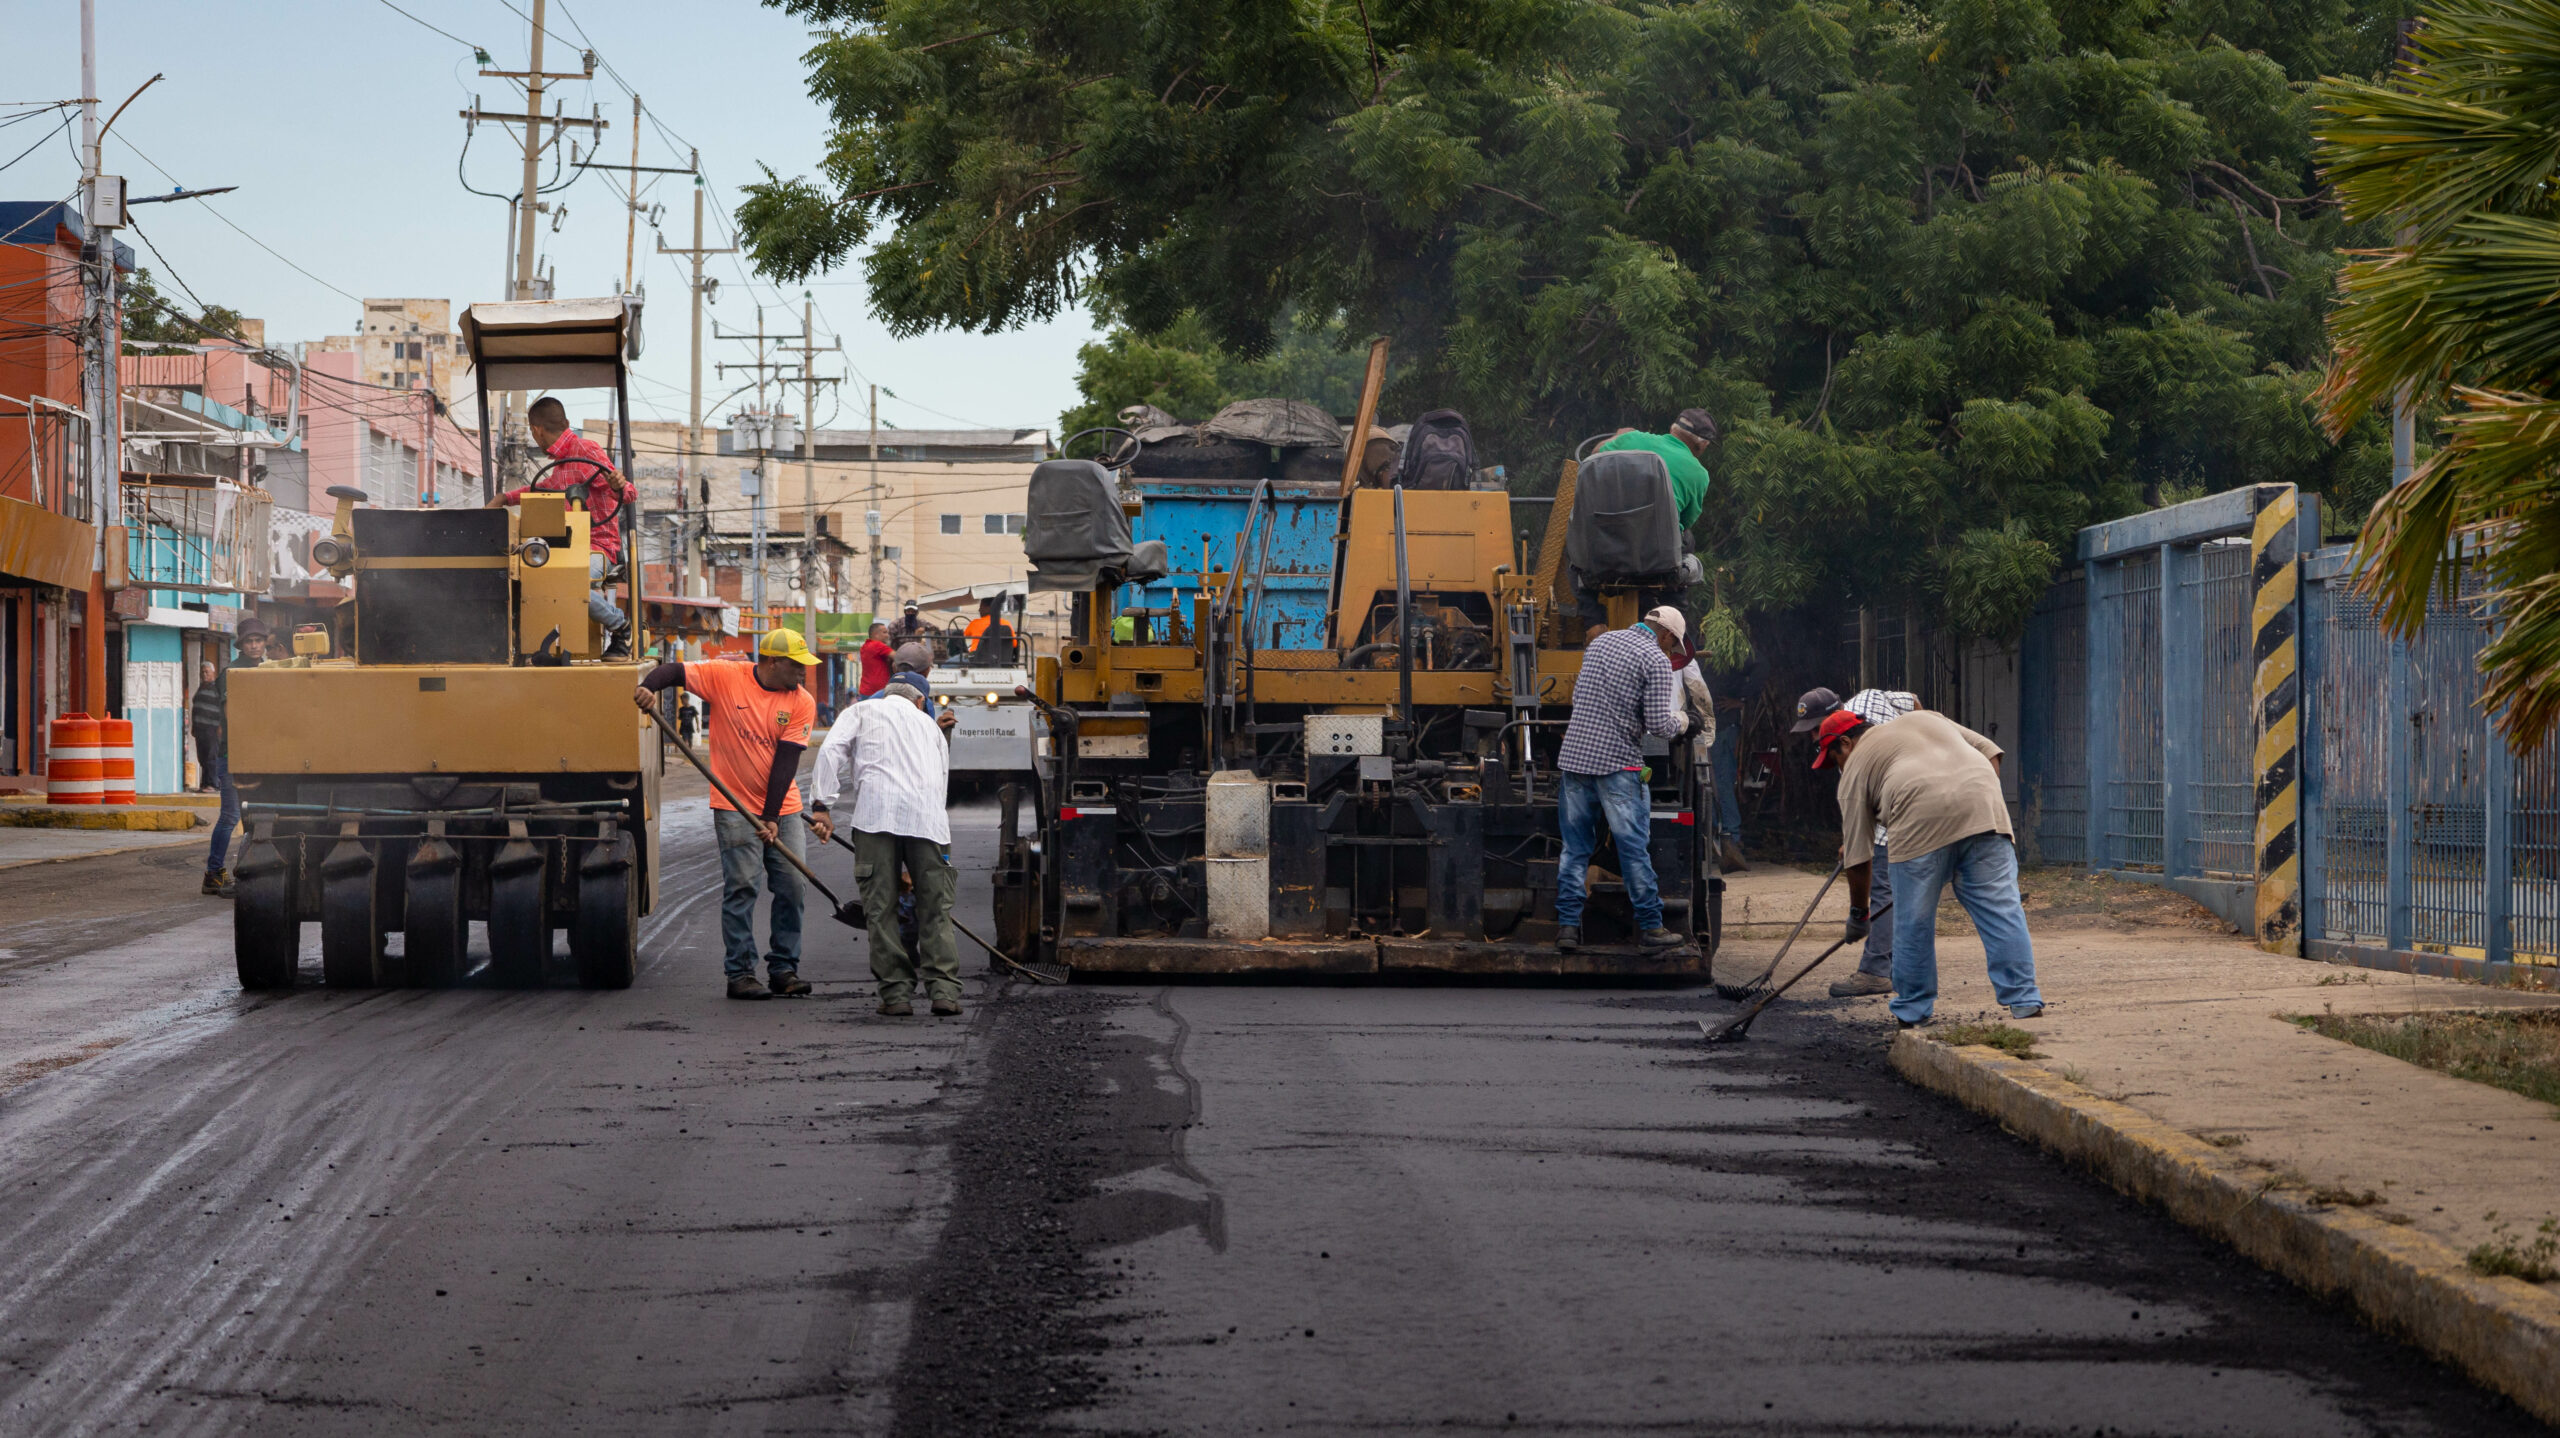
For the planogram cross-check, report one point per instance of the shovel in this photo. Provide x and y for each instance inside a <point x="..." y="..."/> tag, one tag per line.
<point x="1739" y="1025"/>
<point x="1744" y="991"/>
<point x="846" y="914"/>
<point x="860" y="921"/>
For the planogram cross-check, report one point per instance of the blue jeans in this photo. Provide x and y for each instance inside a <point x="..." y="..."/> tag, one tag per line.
<point x="1727" y="767"/>
<point x="742" y="855"/>
<point x="1619" y="800"/>
<point x="217" y="768"/>
<point x="1985" y="871"/>
<point x="600" y="606"/>
<point x="1877" y="957"/>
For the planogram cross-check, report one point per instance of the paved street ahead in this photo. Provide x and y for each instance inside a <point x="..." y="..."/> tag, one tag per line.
<point x="1193" y="1210"/>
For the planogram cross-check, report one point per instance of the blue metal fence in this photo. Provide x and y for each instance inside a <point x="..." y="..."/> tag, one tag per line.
<point x="2425" y="845"/>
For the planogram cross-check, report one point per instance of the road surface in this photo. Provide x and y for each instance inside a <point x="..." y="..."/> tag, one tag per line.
<point x="1201" y="1209"/>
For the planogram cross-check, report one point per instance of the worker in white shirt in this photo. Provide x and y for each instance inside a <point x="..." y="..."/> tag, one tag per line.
<point x="886" y="769"/>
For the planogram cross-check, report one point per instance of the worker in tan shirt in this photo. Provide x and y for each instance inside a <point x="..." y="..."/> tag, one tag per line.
<point x="1934" y="784"/>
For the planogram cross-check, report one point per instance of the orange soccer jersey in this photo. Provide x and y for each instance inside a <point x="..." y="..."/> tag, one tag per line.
<point x="747" y="721"/>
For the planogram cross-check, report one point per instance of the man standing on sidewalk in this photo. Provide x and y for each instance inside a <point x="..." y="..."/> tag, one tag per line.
<point x="1624" y="693"/>
<point x="1874" y="974"/>
<point x="1930" y="781"/>
<point x="759" y="716"/>
<point x="888" y="768"/>
<point x="212" y="726"/>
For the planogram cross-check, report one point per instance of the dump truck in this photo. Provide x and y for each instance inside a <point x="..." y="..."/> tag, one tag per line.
<point x="454" y="746"/>
<point x="1326" y="744"/>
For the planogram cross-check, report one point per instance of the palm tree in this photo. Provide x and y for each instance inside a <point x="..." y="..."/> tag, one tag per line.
<point x="2459" y="153"/>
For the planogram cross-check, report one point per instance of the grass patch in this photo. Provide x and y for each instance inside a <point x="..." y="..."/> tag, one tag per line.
<point x="2514" y="1049"/>
<point x="2015" y="1042"/>
<point x="2225" y="1140"/>
<point x="2339" y="1196"/>
<point x="2503" y="1257"/>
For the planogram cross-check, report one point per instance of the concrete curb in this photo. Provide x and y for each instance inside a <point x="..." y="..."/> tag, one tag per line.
<point x="160" y="819"/>
<point x="2504" y="1332"/>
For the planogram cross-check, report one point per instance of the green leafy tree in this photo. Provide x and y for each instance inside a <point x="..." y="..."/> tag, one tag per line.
<point x="153" y="322"/>
<point x="2455" y="158"/>
<point x="1958" y="276"/>
<point x="1185" y="372"/>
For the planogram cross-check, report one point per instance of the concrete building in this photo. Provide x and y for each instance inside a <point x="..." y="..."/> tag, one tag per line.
<point x="951" y="505"/>
<point x="406" y="345"/>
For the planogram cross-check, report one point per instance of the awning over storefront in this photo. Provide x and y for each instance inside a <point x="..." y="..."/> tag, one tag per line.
<point x="38" y="544"/>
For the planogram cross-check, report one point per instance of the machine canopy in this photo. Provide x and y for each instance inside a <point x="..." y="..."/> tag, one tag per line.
<point x="552" y="344"/>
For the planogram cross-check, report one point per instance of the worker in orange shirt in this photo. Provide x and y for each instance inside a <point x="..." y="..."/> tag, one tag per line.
<point x="759" y="716"/>
<point x="990" y="638"/>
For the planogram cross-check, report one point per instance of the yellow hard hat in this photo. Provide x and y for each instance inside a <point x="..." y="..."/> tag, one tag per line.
<point x="785" y="644"/>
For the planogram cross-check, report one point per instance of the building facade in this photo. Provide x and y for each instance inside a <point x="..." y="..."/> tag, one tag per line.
<point x="406" y="345"/>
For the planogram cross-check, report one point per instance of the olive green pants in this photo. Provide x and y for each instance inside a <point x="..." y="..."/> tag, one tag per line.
<point x="876" y="858"/>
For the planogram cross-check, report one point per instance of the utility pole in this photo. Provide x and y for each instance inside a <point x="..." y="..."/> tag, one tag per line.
<point x="702" y="291"/>
<point x="871" y="515"/>
<point x="102" y="212"/>
<point x="528" y="207"/>
<point x="631" y="201"/>
<point x="763" y="429"/>
<point x="809" y="382"/>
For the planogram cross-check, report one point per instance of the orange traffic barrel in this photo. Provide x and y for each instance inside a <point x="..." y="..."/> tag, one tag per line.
<point x="115" y="761"/>
<point x="75" y="770"/>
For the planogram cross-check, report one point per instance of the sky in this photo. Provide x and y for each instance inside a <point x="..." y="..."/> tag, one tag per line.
<point x="339" y="122"/>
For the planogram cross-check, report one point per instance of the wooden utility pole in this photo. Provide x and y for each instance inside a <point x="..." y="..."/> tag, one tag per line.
<point x="692" y="484"/>
<point x="871" y="516"/>
<point x="764" y="426"/>
<point x="809" y="382"/>
<point x="631" y="201"/>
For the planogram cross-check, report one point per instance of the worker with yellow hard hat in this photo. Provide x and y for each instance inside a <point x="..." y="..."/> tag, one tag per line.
<point x="759" y="716"/>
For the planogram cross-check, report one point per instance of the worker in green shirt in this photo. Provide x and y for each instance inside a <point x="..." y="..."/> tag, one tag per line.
<point x="1684" y="454"/>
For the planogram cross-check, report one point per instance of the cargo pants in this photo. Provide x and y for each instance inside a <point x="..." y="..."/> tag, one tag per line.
<point x="936" y="961"/>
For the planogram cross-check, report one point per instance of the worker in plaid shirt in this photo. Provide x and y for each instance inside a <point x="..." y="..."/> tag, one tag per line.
<point x="1625" y="692"/>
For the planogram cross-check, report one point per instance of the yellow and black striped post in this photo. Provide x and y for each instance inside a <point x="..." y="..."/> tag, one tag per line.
<point x="2275" y="575"/>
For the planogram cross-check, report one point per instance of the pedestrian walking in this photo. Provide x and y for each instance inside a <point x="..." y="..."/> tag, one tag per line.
<point x="1936" y="786"/>
<point x="875" y="662"/>
<point x="209" y="718"/>
<point x="759" y="717"/>
<point x="1625" y="692"/>
<point x="1874" y="974"/>
<point x="887" y="770"/>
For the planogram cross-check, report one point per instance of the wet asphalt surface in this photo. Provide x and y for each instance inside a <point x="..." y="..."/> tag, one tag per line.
<point x="1102" y="1209"/>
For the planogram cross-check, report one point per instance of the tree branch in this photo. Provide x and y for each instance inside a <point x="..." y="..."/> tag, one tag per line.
<point x="962" y="39"/>
<point x="1506" y="194"/>
<point x="2242" y="217"/>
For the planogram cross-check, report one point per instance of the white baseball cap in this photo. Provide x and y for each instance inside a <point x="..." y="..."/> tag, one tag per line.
<point x="1668" y="620"/>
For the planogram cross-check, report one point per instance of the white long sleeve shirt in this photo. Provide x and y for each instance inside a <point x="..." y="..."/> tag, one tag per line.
<point x="886" y="769"/>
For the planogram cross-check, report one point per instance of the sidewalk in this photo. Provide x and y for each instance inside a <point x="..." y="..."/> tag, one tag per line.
<point x="2163" y="1063"/>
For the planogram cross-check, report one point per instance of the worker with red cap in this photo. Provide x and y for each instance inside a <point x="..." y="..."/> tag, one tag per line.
<point x="1932" y="783"/>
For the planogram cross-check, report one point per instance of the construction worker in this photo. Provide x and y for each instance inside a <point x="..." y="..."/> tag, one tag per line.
<point x="1934" y="784"/>
<point x="887" y="768"/>
<point x="910" y="625"/>
<point x="759" y="716"/>
<point x="990" y="638"/>
<point x="1874" y="974"/>
<point x="581" y="465"/>
<point x="1624" y="692"/>
<point x="1684" y="453"/>
<point x="209" y="719"/>
<point x="875" y="661"/>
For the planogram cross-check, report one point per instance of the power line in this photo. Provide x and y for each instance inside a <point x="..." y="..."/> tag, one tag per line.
<point x="40" y="140"/>
<point x="480" y="51"/>
<point x="244" y="234"/>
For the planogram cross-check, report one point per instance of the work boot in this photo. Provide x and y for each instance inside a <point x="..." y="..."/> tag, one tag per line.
<point x="1900" y="1023"/>
<point x="1861" y="984"/>
<point x="219" y="883"/>
<point x="1569" y="938"/>
<point x="945" y="1008"/>
<point x="744" y="986"/>
<point x="617" y="645"/>
<point x="1660" y="938"/>
<point x="787" y="983"/>
<point x="2027" y="1011"/>
<point x="1729" y="857"/>
<point x="896" y="1009"/>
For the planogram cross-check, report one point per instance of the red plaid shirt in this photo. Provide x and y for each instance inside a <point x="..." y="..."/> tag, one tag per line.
<point x="587" y="464"/>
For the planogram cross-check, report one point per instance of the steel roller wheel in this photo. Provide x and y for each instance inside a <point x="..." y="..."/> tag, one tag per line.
<point x="519" y="925"/>
<point x="606" y="941"/>
<point x="266" y="938"/>
<point x="436" y="936"/>
<point x="350" y="919"/>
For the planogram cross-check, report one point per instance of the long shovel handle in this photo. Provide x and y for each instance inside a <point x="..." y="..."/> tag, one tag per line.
<point x="1780" y="956"/>
<point x="740" y="805"/>
<point x="1742" y="1020"/>
<point x="1000" y="955"/>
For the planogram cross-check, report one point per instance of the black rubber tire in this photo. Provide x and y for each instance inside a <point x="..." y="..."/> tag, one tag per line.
<point x="606" y="940"/>
<point x="436" y="937"/>
<point x="266" y="938"/>
<point x="519" y="922"/>
<point x="350" y="919"/>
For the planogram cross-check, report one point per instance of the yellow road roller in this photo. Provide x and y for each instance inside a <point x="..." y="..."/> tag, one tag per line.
<point x="455" y="746"/>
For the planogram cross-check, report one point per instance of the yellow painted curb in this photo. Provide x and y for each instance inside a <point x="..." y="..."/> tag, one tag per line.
<point x="2504" y="1332"/>
<point x="96" y="816"/>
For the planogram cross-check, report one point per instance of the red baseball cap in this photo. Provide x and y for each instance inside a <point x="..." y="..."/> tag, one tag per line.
<point x="1837" y="723"/>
